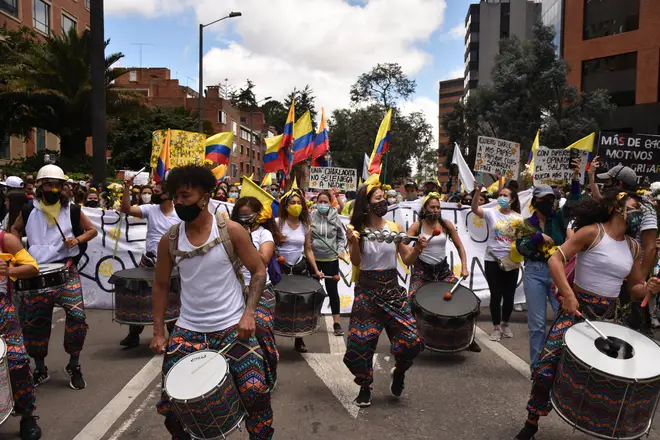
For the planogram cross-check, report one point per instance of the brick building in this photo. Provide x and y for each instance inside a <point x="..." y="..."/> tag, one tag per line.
<point x="160" y="90"/>
<point x="450" y="93"/>
<point x="45" y="17"/>
<point x="615" y="45"/>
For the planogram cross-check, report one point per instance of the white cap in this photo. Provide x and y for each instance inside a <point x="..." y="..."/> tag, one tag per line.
<point x="13" y="182"/>
<point x="69" y="181"/>
<point x="50" y="172"/>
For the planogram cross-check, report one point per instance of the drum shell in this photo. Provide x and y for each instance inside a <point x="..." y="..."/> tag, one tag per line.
<point x="42" y="282"/>
<point x="6" y="396"/>
<point x="297" y="314"/>
<point x="132" y="301"/>
<point x="619" y="408"/>
<point x="442" y="333"/>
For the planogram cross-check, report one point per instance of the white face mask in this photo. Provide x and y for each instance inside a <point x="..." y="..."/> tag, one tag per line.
<point x="146" y="198"/>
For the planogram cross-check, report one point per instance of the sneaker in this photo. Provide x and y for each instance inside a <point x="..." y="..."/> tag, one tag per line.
<point x="337" y="329"/>
<point x="130" y="341"/>
<point x="300" y="346"/>
<point x="506" y="331"/>
<point x="40" y="377"/>
<point x="496" y="335"/>
<point x="396" y="385"/>
<point x="29" y="428"/>
<point x="518" y="307"/>
<point x="527" y="432"/>
<point x="76" y="382"/>
<point x="474" y="347"/>
<point x="364" y="397"/>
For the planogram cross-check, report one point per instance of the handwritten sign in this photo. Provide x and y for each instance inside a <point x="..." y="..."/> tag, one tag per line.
<point x="497" y="156"/>
<point x="555" y="166"/>
<point x="641" y="152"/>
<point x="138" y="179"/>
<point x="185" y="147"/>
<point x="344" y="179"/>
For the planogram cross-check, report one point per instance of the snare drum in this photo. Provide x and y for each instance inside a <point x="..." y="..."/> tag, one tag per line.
<point x="609" y="398"/>
<point x="446" y="326"/>
<point x="6" y="397"/>
<point x="203" y="395"/>
<point x="298" y="306"/>
<point x="132" y="296"/>
<point x="51" y="276"/>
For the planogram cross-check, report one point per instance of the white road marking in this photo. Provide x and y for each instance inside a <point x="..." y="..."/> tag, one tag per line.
<point x="153" y="395"/>
<point x="337" y="344"/>
<point x="104" y="420"/>
<point x="507" y="355"/>
<point x="331" y="370"/>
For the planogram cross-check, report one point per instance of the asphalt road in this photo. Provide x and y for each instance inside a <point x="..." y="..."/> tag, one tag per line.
<point x="464" y="396"/>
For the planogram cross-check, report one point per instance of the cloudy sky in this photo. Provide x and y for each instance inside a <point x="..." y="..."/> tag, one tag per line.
<point x="282" y="44"/>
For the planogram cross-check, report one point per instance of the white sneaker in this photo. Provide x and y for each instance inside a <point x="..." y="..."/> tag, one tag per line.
<point x="496" y="335"/>
<point x="506" y="331"/>
<point x="518" y="307"/>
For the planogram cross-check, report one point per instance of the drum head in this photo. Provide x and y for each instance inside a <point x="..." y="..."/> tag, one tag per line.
<point x="298" y="284"/>
<point x="430" y="298"/>
<point x="3" y="348"/>
<point x="580" y="339"/>
<point x="196" y="375"/>
<point x="138" y="273"/>
<point x="50" y="267"/>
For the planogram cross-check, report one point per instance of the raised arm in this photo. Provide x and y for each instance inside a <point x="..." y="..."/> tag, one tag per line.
<point x="476" y="209"/>
<point x="126" y="207"/>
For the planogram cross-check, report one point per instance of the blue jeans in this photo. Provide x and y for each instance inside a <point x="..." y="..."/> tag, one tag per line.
<point x="537" y="282"/>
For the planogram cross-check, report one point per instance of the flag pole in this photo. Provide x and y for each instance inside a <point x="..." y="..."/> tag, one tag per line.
<point x="385" y="167"/>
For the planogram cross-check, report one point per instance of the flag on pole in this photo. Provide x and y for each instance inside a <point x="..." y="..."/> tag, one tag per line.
<point x="303" y="138"/>
<point x="532" y="153"/>
<point x="382" y="144"/>
<point x="365" y="167"/>
<point x="251" y="189"/>
<point x="286" y="156"/>
<point x="267" y="181"/>
<point x="163" y="163"/>
<point x="272" y="157"/>
<point x="464" y="173"/>
<point x="219" y="171"/>
<point x="584" y="144"/>
<point x="218" y="147"/>
<point x="321" y="144"/>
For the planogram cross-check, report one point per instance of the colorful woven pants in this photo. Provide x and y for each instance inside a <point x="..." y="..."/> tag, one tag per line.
<point x="419" y="278"/>
<point x="264" y="317"/>
<point x="246" y="366"/>
<point x="373" y="311"/>
<point x="36" y="314"/>
<point x="19" y="362"/>
<point x="545" y="368"/>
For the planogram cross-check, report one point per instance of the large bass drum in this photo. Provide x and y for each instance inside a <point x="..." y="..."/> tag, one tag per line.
<point x="298" y="306"/>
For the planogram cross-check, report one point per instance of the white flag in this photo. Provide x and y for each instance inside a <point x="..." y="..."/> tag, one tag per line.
<point x="365" y="167"/>
<point x="464" y="173"/>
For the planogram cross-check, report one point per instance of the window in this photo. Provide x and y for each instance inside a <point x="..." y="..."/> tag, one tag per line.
<point x="234" y="170"/>
<point x="10" y="7"/>
<point x="244" y="120"/>
<point x="68" y="23"/>
<point x="4" y="147"/>
<point x="87" y="4"/>
<point x="241" y="150"/>
<point x="245" y="134"/>
<point x="610" y="17"/>
<point x="41" y="139"/>
<point x="505" y="19"/>
<point x="253" y="156"/>
<point x="258" y="156"/>
<point x="233" y="149"/>
<point x="234" y="127"/>
<point x="222" y="117"/>
<point x="42" y="16"/>
<point x="132" y="76"/>
<point x="241" y="167"/>
<point x="616" y="74"/>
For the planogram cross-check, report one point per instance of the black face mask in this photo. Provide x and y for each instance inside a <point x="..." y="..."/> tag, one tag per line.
<point x="432" y="216"/>
<point x="157" y="199"/>
<point x="379" y="208"/>
<point x="187" y="213"/>
<point x="51" y="197"/>
<point x="545" y="207"/>
<point x="247" y="221"/>
<point x="92" y="203"/>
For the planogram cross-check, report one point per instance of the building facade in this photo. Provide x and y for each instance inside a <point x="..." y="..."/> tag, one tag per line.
<point x="250" y="128"/>
<point x="552" y="14"/>
<point x="486" y="24"/>
<point x="615" y="45"/>
<point x="450" y="93"/>
<point x="45" y="17"/>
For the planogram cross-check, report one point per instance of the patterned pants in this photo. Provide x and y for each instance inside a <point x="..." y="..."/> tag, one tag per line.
<point x="545" y="368"/>
<point x="418" y="279"/>
<point x="264" y="321"/>
<point x="19" y="362"/>
<point x="36" y="314"/>
<point x="372" y="312"/>
<point x="246" y="366"/>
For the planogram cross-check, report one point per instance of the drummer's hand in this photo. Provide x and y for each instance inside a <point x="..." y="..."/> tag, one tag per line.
<point x="158" y="344"/>
<point x="129" y="182"/>
<point x="465" y="273"/>
<point x="319" y="274"/>
<point x="653" y="285"/>
<point x="71" y="242"/>
<point x="246" y="327"/>
<point x="570" y="305"/>
<point x="4" y="269"/>
<point x="350" y="235"/>
<point x="421" y="244"/>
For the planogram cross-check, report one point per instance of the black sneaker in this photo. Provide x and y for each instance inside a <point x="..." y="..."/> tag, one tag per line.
<point x="338" y="330"/>
<point x="364" y="397"/>
<point x="300" y="345"/>
<point x="77" y="382"/>
<point x="527" y="432"/>
<point x="29" y="428"/>
<point x="396" y="385"/>
<point x="130" y="341"/>
<point x="40" y="377"/>
<point x="474" y="347"/>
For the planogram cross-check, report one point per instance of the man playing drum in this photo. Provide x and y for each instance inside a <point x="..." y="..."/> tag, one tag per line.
<point x="160" y="217"/>
<point x="21" y="265"/>
<point x="214" y="314"/>
<point x="55" y="229"/>
<point x="605" y="257"/>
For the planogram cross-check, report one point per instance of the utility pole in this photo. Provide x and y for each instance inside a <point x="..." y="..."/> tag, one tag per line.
<point x="97" y="61"/>
<point x="141" y="46"/>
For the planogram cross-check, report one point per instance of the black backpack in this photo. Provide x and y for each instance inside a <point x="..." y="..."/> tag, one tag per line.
<point x="74" y="211"/>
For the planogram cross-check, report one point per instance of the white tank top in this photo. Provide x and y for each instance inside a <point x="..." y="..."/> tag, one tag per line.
<point x="211" y="295"/>
<point x="436" y="251"/>
<point x="601" y="270"/>
<point x="294" y="244"/>
<point x="46" y="244"/>
<point x="378" y="256"/>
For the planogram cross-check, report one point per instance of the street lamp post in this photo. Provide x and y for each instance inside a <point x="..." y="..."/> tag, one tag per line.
<point x="251" y="151"/>
<point x="201" y="65"/>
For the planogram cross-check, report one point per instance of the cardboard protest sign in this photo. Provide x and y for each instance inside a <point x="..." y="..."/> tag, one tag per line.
<point x="138" y="179"/>
<point x="497" y="156"/>
<point x="186" y="147"/>
<point x="641" y="152"/>
<point x="555" y="166"/>
<point x="344" y="179"/>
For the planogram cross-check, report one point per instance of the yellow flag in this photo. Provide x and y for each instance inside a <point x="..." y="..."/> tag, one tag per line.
<point x="535" y="146"/>
<point x="219" y="171"/>
<point x="251" y="176"/>
<point x="584" y="144"/>
<point x="295" y="184"/>
<point x="268" y="180"/>
<point x="251" y="189"/>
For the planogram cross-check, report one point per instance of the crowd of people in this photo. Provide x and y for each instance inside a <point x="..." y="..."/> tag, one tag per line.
<point x="585" y="251"/>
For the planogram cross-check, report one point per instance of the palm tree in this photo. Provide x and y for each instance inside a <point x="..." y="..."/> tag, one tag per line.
<point x="50" y="86"/>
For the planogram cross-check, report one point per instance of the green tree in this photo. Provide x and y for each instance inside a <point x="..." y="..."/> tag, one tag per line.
<point x="275" y="114"/>
<point x="385" y="84"/>
<point x="305" y="100"/>
<point x="52" y="86"/>
<point x="244" y="99"/>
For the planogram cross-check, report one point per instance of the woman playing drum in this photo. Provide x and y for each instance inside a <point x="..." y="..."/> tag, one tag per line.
<point x="380" y="302"/>
<point x="605" y="256"/>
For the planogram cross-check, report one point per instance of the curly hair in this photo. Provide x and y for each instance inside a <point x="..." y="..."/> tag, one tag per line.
<point x="256" y="206"/>
<point x="190" y="175"/>
<point x="587" y="212"/>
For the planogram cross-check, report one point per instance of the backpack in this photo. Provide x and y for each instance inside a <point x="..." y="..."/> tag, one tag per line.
<point x="74" y="212"/>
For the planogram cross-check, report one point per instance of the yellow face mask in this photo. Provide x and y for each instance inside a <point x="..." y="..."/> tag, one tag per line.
<point x="294" y="210"/>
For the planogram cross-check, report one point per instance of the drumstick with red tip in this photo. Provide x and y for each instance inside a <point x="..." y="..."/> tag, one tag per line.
<point x="450" y="293"/>
<point x="436" y="231"/>
<point x="329" y="277"/>
<point x="281" y="259"/>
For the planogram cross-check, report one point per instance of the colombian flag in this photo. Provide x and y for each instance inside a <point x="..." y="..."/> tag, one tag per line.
<point x="163" y="163"/>
<point x="532" y="153"/>
<point x="382" y="144"/>
<point x="303" y="134"/>
<point x="287" y="139"/>
<point x="218" y="147"/>
<point x="321" y="144"/>
<point x="272" y="157"/>
<point x="251" y="189"/>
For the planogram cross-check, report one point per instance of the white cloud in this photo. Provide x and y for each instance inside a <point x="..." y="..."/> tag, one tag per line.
<point x="457" y="32"/>
<point x="457" y="72"/>
<point x="430" y="108"/>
